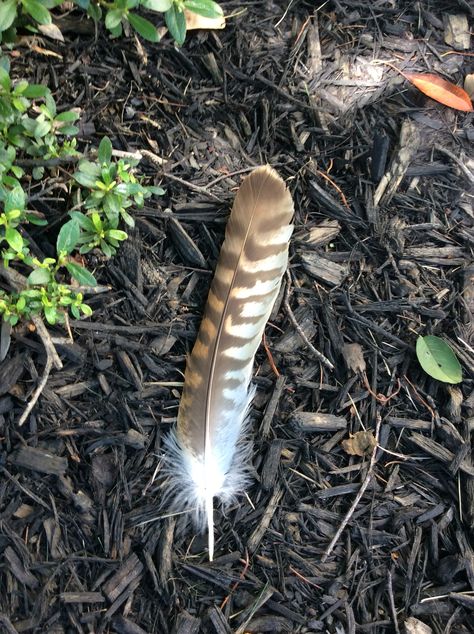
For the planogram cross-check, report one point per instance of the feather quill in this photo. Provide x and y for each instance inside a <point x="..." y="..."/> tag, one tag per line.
<point x="206" y="454"/>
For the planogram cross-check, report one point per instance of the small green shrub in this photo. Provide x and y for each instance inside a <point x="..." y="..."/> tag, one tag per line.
<point x="31" y="127"/>
<point x="110" y="188"/>
<point x="117" y="13"/>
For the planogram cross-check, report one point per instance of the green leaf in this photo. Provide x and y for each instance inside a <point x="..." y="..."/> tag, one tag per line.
<point x="92" y="169"/>
<point x="80" y="274"/>
<point x="116" y="234"/>
<point x="155" y="190"/>
<point x="37" y="11"/>
<point x="14" y="239"/>
<point x="68" y="130"/>
<point x="206" y="8"/>
<point x="97" y="222"/>
<point x="104" y="153"/>
<point x="20" y="103"/>
<point x="39" y="277"/>
<point x="143" y="27"/>
<point x="85" y="179"/>
<point x="113" y="18"/>
<point x="69" y="115"/>
<point x="107" y="249"/>
<point x="86" y="309"/>
<point x="34" y="91"/>
<point x="51" y="4"/>
<point x="8" y="11"/>
<point x="112" y="205"/>
<point x="68" y="237"/>
<point x="128" y="189"/>
<point x="50" y="314"/>
<point x="5" y="81"/>
<point x="94" y="11"/>
<point x="5" y="63"/>
<point x="438" y="360"/>
<point x="35" y="220"/>
<point x="127" y="218"/>
<point x="16" y="199"/>
<point x="157" y="5"/>
<point x="176" y="23"/>
<point x="42" y="129"/>
<point x="84" y="221"/>
<point x="20" y="87"/>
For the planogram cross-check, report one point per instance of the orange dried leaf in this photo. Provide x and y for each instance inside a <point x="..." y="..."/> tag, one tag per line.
<point x="441" y="90"/>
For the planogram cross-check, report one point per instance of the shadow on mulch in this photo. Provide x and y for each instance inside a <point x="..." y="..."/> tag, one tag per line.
<point x="375" y="261"/>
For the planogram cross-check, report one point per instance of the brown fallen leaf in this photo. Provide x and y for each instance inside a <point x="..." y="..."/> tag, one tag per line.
<point x="441" y="90"/>
<point x="362" y="443"/>
<point x="354" y="357"/>
<point x="195" y="21"/>
<point x="51" y="30"/>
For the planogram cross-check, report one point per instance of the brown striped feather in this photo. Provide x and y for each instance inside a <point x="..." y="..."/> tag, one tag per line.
<point x="248" y="276"/>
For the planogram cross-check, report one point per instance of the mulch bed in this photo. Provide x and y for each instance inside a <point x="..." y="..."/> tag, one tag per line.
<point x="86" y="545"/>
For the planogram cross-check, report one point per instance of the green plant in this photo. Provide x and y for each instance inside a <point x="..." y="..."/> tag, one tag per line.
<point x="15" y="13"/>
<point x="30" y="126"/>
<point x="45" y="292"/>
<point x="110" y="188"/>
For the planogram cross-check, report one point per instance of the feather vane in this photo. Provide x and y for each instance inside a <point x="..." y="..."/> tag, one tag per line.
<point x="207" y="455"/>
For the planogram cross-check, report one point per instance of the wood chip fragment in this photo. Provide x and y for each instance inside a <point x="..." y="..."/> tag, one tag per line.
<point x="440" y="453"/>
<point x="307" y="422"/>
<point x="131" y="569"/>
<point x="257" y="535"/>
<point x="18" y="570"/>
<point x="39" y="460"/>
<point x="186" y="624"/>
<point x="184" y="244"/>
<point x="409" y="142"/>
<point x="122" y="625"/>
<point x="322" y="233"/>
<point x="323" y="269"/>
<point x="81" y="597"/>
<point x="415" y="626"/>
<point x="456" y="32"/>
<point x="272" y="406"/>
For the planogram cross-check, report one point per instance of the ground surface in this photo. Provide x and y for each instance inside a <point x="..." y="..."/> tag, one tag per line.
<point x="83" y="546"/>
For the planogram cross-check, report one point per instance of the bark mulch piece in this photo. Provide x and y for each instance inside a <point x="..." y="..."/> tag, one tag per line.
<point x="324" y="540"/>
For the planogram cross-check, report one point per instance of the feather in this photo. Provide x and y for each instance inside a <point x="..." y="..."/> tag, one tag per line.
<point x="207" y="455"/>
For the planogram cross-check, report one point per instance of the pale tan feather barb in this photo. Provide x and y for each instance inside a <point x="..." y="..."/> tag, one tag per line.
<point x="206" y="456"/>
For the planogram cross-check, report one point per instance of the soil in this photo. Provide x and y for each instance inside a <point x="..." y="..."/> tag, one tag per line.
<point x="360" y="515"/>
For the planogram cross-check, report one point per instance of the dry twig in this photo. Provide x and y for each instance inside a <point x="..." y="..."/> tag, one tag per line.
<point x="286" y="303"/>
<point x="358" y="497"/>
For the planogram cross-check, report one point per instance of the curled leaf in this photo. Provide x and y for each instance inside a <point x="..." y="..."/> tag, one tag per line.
<point x="441" y="90"/>
<point x="362" y="443"/>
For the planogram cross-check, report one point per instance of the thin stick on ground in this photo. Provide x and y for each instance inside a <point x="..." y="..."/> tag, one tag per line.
<point x="37" y="392"/>
<point x="52" y="359"/>
<point x="358" y="497"/>
<point x="46" y="341"/>
<point x="286" y="303"/>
